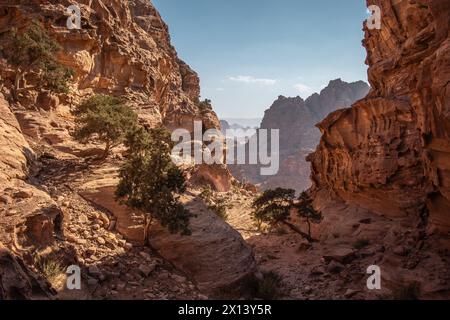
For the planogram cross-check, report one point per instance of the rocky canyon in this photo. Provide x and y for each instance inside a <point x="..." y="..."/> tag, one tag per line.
<point x="373" y="158"/>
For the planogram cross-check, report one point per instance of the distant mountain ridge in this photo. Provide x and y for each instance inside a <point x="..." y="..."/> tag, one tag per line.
<point x="296" y="119"/>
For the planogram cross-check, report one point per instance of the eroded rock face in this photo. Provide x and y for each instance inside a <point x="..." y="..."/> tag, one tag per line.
<point x="123" y="49"/>
<point x="17" y="282"/>
<point x="14" y="148"/>
<point x="215" y="255"/>
<point x="28" y="216"/>
<point x="296" y="119"/>
<point x="216" y="176"/>
<point x="389" y="153"/>
<point x="29" y="219"/>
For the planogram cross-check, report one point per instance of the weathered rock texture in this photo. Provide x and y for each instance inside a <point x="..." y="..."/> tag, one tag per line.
<point x="17" y="282"/>
<point x="296" y="119"/>
<point x="123" y="49"/>
<point x="215" y="255"/>
<point x="390" y="152"/>
<point x="28" y="216"/>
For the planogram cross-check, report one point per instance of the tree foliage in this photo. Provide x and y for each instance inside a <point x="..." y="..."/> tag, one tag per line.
<point x="35" y="50"/>
<point x="32" y="47"/>
<point x="55" y="77"/>
<point x="275" y="206"/>
<point x="217" y="203"/>
<point x="306" y="210"/>
<point x="105" y="119"/>
<point x="204" y="106"/>
<point x="150" y="181"/>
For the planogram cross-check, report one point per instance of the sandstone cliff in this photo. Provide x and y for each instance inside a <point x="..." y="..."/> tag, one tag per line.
<point x="389" y="153"/>
<point x="296" y="119"/>
<point x="46" y="215"/>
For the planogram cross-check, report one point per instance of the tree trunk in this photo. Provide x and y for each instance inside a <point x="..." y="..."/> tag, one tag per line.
<point x="15" y="91"/>
<point x="147" y="224"/>
<point x="106" y="152"/>
<point x="300" y="232"/>
<point x="309" y="226"/>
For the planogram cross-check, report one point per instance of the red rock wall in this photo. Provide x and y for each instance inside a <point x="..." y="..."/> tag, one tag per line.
<point x="390" y="152"/>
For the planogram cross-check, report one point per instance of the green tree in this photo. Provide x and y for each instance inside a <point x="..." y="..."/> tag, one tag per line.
<point x="56" y="77"/>
<point x="105" y="119"/>
<point x="151" y="182"/>
<point x="204" y="106"/>
<point x="274" y="207"/>
<point x="34" y="50"/>
<point x="306" y="210"/>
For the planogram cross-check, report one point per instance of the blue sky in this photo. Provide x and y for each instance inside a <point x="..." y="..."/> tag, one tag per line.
<point x="248" y="52"/>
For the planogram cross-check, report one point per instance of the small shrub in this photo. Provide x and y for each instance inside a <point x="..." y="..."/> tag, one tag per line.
<point x="204" y="106"/>
<point x="407" y="291"/>
<point x="361" y="243"/>
<point x="269" y="287"/>
<point x="50" y="268"/>
<point x="215" y="203"/>
<point x="273" y="207"/>
<point x="56" y="77"/>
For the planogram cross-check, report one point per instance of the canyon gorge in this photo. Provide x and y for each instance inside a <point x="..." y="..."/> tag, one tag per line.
<point x="378" y="168"/>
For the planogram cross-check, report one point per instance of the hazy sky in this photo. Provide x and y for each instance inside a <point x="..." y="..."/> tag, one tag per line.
<point x="248" y="52"/>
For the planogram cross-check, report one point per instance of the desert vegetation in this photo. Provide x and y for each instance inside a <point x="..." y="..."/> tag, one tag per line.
<point x="217" y="203"/>
<point x="151" y="182"/>
<point x="105" y="119"/>
<point x="275" y="206"/>
<point x="34" y="51"/>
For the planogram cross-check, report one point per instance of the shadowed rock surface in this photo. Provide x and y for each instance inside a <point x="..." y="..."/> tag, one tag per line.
<point x="390" y="152"/>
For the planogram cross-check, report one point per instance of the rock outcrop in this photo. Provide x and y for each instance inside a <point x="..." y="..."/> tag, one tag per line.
<point x="123" y="49"/>
<point x="28" y="216"/>
<point x="17" y="282"/>
<point x="215" y="256"/>
<point x="389" y="153"/>
<point x="296" y="119"/>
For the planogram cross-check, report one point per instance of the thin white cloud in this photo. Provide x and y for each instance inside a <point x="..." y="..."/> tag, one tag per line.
<point x="220" y="89"/>
<point x="303" y="88"/>
<point x="253" y="80"/>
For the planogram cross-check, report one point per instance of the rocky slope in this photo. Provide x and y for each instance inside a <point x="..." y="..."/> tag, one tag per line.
<point x="46" y="216"/>
<point x="296" y="119"/>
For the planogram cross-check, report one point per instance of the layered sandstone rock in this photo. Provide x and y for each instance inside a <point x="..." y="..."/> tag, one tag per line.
<point x="389" y="153"/>
<point x="122" y="49"/>
<point x="215" y="255"/>
<point x="296" y="119"/>
<point x="29" y="218"/>
<point x="17" y="282"/>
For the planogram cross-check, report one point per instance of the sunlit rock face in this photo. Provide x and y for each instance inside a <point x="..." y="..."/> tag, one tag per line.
<point x="390" y="152"/>
<point x="123" y="49"/>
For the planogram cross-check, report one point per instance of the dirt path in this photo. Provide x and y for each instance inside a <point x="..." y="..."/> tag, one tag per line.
<point x="336" y="269"/>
